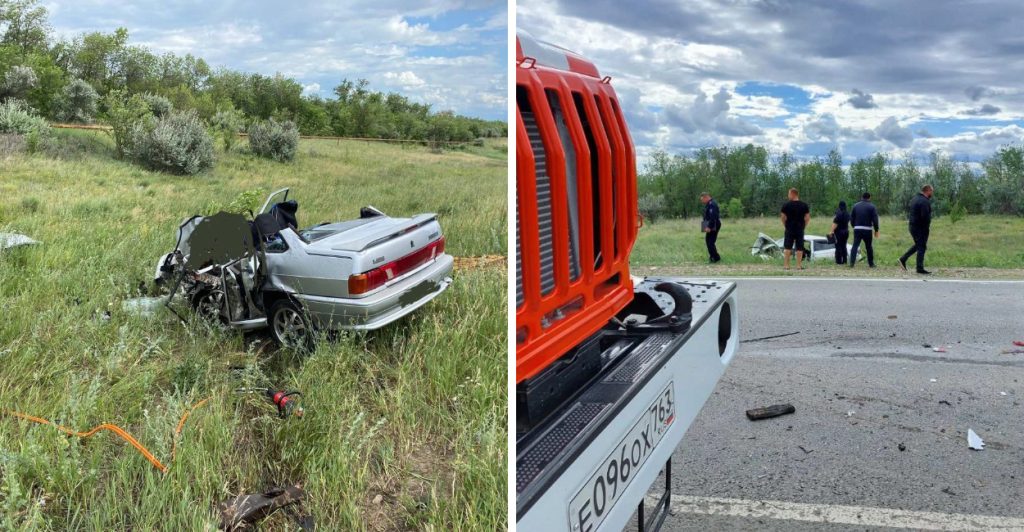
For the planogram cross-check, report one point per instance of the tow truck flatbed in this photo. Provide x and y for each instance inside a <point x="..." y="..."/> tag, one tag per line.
<point x="606" y="445"/>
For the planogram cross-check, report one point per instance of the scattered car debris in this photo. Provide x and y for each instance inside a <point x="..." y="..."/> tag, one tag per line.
<point x="806" y="451"/>
<point x="1002" y="393"/>
<point x="143" y="306"/>
<point x="769" y="337"/>
<point x="945" y="402"/>
<point x="926" y="346"/>
<point x="892" y="316"/>
<point x="933" y="380"/>
<point x="902" y="447"/>
<point x="11" y="240"/>
<point x="974" y="441"/>
<point x="1018" y="343"/>
<point x="285" y="400"/>
<point x="770" y="411"/>
<point x="1013" y="351"/>
<point x="939" y="349"/>
<point x="850" y="413"/>
<point x="250" y="508"/>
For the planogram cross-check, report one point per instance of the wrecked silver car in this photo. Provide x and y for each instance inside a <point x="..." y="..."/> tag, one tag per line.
<point x="356" y="274"/>
<point x="815" y="247"/>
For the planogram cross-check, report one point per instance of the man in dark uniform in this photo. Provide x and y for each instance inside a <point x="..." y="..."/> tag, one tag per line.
<point x="795" y="216"/>
<point x="863" y="218"/>
<point x="711" y="223"/>
<point x="920" y="225"/>
<point x="841" y="232"/>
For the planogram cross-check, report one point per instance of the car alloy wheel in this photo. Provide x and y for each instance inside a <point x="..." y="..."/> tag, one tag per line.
<point x="290" y="327"/>
<point x="210" y="304"/>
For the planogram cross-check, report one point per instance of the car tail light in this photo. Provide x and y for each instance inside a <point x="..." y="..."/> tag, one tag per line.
<point x="362" y="283"/>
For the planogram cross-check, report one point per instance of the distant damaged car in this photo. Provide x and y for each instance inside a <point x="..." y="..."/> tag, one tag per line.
<point x="266" y="272"/>
<point x="815" y="247"/>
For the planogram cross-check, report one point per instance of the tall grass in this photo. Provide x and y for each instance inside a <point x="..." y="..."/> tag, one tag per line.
<point x="404" y="427"/>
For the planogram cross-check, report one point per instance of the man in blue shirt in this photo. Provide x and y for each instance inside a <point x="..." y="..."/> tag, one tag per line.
<point x="711" y="223"/>
<point x="863" y="218"/>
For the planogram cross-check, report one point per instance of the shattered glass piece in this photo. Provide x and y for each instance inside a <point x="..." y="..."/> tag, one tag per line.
<point x="974" y="441"/>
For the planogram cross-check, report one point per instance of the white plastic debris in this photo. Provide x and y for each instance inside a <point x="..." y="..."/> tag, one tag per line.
<point x="933" y="380"/>
<point x="10" y="240"/>
<point x="143" y="306"/>
<point x="1002" y="393"/>
<point x="974" y="441"/>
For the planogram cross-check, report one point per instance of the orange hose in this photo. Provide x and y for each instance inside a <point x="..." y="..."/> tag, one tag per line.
<point x="118" y="431"/>
<point x="181" y="424"/>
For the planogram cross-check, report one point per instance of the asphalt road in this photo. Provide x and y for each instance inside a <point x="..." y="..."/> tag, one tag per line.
<point x="863" y="386"/>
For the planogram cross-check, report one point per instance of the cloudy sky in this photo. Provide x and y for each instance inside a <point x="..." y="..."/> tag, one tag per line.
<point x="451" y="54"/>
<point x="804" y="76"/>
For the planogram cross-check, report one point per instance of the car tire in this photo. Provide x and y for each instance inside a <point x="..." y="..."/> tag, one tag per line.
<point x="290" y="326"/>
<point x="208" y="305"/>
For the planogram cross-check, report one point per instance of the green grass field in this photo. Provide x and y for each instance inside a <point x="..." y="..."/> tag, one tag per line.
<point x="405" y="428"/>
<point x="976" y="242"/>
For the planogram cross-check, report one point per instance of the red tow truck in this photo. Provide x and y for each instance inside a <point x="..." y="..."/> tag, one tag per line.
<point x="610" y="369"/>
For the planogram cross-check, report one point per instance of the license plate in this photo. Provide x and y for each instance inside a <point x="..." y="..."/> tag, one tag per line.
<point x="595" y="499"/>
<point x="417" y="293"/>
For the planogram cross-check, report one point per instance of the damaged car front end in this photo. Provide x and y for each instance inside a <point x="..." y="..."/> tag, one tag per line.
<point x="359" y="274"/>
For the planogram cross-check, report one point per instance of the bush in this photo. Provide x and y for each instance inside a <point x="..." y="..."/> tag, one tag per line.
<point x="244" y="203"/>
<point x="158" y="105"/>
<point x="77" y="102"/>
<point x="18" y="81"/>
<point x="228" y="123"/>
<point x="734" y="209"/>
<point x="957" y="213"/>
<point x="18" y="118"/>
<point x="123" y="113"/>
<point x="651" y="207"/>
<point x="177" y="143"/>
<point x="274" y="140"/>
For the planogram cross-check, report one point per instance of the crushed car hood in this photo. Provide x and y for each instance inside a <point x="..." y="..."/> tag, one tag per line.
<point x="357" y="235"/>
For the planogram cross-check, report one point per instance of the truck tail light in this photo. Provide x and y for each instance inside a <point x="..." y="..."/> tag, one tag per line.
<point x="362" y="283"/>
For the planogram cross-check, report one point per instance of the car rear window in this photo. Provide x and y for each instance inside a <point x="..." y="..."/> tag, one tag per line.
<point x="314" y="234"/>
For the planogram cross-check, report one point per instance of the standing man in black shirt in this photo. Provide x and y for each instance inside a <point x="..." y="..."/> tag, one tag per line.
<point x="711" y="223"/>
<point x="795" y="216"/>
<point x="920" y="225"/>
<point x="863" y="217"/>
<point x="841" y="231"/>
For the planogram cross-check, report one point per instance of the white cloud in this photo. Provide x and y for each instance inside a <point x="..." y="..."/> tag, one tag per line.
<point x="312" y="89"/>
<point x="405" y="79"/>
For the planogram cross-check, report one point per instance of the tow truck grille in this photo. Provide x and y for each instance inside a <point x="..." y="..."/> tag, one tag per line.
<point x="547" y="244"/>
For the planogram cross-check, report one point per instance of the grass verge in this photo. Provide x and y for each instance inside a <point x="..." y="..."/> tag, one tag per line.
<point x="405" y="427"/>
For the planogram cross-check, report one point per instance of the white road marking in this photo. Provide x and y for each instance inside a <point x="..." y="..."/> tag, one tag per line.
<point x="868" y="279"/>
<point x="840" y="515"/>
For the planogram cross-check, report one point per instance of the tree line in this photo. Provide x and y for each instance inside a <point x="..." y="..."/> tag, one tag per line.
<point x="749" y="181"/>
<point x="45" y="72"/>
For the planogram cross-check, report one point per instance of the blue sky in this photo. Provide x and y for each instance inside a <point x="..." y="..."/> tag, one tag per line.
<point x="451" y="54"/>
<point x="804" y="76"/>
